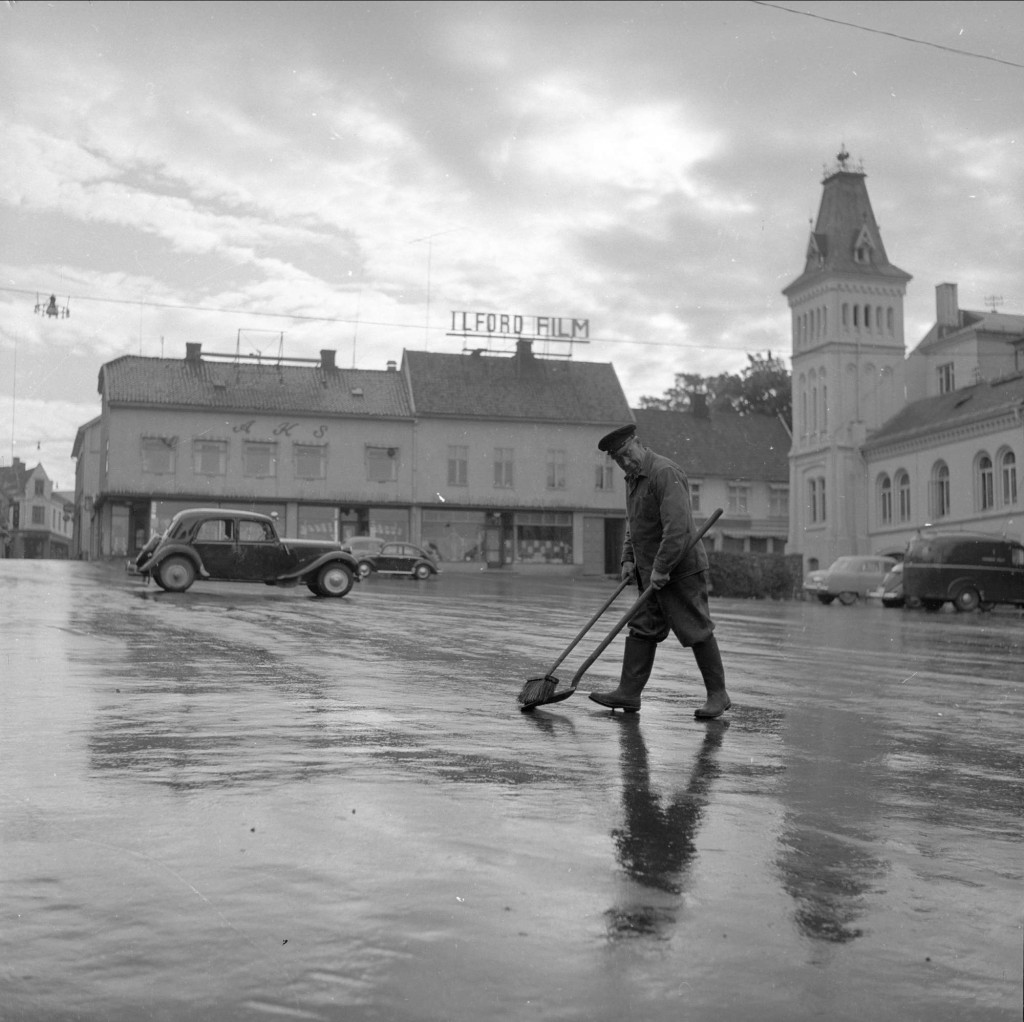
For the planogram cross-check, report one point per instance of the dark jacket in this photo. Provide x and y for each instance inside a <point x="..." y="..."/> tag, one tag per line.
<point x="659" y="520"/>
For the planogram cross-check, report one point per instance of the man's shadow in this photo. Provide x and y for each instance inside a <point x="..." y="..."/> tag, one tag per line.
<point x="656" y="844"/>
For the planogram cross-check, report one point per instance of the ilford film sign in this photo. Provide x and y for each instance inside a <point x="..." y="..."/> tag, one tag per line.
<point x="505" y="325"/>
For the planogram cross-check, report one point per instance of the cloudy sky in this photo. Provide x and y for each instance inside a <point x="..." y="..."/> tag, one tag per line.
<point x="345" y="175"/>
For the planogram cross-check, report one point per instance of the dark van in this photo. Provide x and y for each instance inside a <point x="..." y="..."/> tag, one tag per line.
<point x="970" y="570"/>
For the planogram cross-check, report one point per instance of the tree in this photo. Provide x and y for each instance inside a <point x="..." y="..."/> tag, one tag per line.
<point x="764" y="386"/>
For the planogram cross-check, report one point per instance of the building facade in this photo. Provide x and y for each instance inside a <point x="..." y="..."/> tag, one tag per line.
<point x="37" y="520"/>
<point x="885" y="445"/>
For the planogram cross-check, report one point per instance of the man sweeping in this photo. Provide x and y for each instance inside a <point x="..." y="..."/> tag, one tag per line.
<point x="659" y="525"/>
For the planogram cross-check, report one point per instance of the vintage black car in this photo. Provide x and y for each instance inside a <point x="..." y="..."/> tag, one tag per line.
<point x="242" y="546"/>
<point x="399" y="559"/>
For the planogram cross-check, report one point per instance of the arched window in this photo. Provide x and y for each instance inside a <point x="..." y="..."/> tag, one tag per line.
<point x="984" y="483"/>
<point x="884" y="500"/>
<point x="878" y="319"/>
<point x="889" y="320"/>
<point x="846" y="314"/>
<point x="1008" y="478"/>
<point x="939" y="490"/>
<point x="816" y="499"/>
<point x="856" y="316"/>
<point x="867" y="317"/>
<point x="903" y="496"/>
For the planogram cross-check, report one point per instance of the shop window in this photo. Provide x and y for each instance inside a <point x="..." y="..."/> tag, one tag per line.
<point x="317" y="522"/>
<point x="544" y="537"/>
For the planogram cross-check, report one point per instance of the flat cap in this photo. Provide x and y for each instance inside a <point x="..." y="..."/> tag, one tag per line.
<point x="612" y="441"/>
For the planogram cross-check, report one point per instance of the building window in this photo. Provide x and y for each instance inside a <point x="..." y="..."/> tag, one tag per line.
<point x="382" y="464"/>
<point x="739" y="499"/>
<point x="259" y="460"/>
<point x="458" y="465"/>
<point x="816" y="511"/>
<point x="846" y="314"/>
<point x="504" y="468"/>
<point x="39" y="487"/>
<point x="903" y="496"/>
<point x="984" y="484"/>
<point x="158" y="455"/>
<point x="38" y="515"/>
<point x="940" y="490"/>
<point x="210" y="457"/>
<point x="695" y="487"/>
<point x="317" y="522"/>
<point x="556" y="469"/>
<point x="544" y="537"/>
<point x="1008" y="478"/>
<point x="946" y="378"/>
<point x="604" y="476"/>
<point x="778" y="502"/>
<point x="310" y="461"/>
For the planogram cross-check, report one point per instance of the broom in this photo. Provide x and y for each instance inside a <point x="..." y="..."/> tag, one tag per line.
<point x="538" y="691"/>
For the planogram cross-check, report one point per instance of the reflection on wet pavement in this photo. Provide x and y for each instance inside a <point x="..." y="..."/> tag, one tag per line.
<point x="242" y="802"/>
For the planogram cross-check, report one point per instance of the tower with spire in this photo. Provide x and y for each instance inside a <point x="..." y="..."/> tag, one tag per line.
<point x="848" y="361"/>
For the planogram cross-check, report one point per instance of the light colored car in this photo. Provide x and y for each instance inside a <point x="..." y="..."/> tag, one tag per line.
<point x="890" y="592"/>
<point x="851" y="578"/>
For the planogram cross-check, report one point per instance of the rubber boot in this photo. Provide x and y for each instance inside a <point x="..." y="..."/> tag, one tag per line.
<point x="709" y="660"/>
<point x="637" y="662"/>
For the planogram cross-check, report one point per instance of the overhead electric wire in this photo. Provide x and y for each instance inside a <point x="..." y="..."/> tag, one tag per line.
<point x="891" y="35"/>
<point x="340" y="319"/>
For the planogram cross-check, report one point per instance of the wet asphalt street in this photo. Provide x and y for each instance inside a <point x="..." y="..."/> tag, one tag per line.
<point x="243" y="803"/>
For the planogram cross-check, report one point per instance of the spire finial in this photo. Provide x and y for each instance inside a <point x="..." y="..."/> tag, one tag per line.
<point x="842" y="156"/>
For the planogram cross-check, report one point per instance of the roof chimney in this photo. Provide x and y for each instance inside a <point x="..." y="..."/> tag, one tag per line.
<point x="193" y="352"/>
<point x="947" y="310"/>
<point x="327" y="358"/>
<point x="392" y="365"/>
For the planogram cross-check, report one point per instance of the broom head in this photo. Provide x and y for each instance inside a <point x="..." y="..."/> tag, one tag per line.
<point x="537" y="691"/>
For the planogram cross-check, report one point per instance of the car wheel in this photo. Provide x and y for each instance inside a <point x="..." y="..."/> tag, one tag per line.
<point x="847" y="599"/>
<point x="825" y="598"/>
<point x="176" y="574"/>
<point x="421" y="571"/>
<point x="986" y="605"/>
<point x="967" y="599"/>
<point x="334" y="580"/>
<point x="365" y="569"/>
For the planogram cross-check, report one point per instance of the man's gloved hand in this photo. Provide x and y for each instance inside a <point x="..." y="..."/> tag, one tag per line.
<point x="628" y="573"/>
<point x="659" y="579"/>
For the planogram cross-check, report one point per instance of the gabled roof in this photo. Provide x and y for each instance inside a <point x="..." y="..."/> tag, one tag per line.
<point x="721" y="444"/>
<point x="521" y="386"/>
<point x="198" y="383"/>
<point x="968" y="404"/>
<point x="1008" y="324"/>
<point x="845" y="218"/>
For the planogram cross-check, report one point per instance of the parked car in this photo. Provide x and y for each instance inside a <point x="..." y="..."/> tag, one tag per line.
<point x="362" y="546"/>
<point x="242" y="546"/>
<point x="974" y="571"/>
<point x="850" y="578"/>
<point x="813" y="581"/>
<point x="890" y="592"/>
<point x="399" y="559"/>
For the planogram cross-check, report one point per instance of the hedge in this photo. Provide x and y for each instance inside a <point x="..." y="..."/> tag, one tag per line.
<point x="755" y="576"/>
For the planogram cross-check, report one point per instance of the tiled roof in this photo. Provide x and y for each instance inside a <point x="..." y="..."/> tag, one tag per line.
<point x="1009" y="324"/>
<point x="515" y="387"/>
<point x="198" y="383"/>
<point x="844" y="212"/>
<point x="722" y="444"/>
<point x="946" y="411"/>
